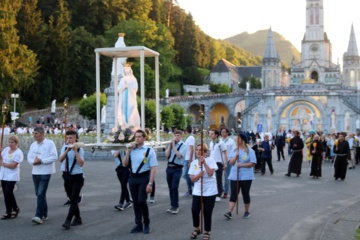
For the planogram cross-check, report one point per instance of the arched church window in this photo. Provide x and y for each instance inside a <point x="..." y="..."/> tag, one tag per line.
<point x="314" y="75"/>
<point x="317" y="12"/>
<point x="352" y="77"/>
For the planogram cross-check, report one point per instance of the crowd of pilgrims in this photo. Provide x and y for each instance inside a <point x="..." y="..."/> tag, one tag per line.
<point x="219" y="169"/>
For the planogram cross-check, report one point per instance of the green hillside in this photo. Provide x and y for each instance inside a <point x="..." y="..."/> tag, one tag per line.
<point x="256" y="43"/>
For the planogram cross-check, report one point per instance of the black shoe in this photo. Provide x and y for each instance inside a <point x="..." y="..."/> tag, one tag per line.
<point x="76" y="221"/>
<point x="228" y="215"/>
<point x="137" y="229"/>
<point x="147" y="228"/>
<point x="262" y="174"/>
<point x="80" y="198"/>
<point x="66" y="224"/>
<point x="15" y="213"/>
<point x="287" y="174"/>
<point x="67" y="203"/>
<point x="278" y="160"/>
<point x="284" y="159"/>
<point x="272" y="173"/>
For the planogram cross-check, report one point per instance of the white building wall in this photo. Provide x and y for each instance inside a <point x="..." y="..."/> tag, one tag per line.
<point x="221" y="78"/>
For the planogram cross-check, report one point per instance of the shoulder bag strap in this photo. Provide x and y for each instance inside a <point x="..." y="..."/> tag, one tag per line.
<point x="143" y="161"/>
<point x="173" y="160"/>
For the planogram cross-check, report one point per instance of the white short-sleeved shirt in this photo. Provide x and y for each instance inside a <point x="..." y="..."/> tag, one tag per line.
<point x="209" y="183"/>
<point x="230" y="145"/>
<point x="8" y="174"/>
<point x="216" y="151"/>
<point x="190" y="141"/>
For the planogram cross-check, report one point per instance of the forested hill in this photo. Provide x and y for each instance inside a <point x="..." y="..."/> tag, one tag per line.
<point x="47" y="46"/>
<point x="256" y="43"/>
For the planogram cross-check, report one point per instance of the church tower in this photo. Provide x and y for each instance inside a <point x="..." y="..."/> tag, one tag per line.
<point x="271" y="70"/>
<point x="316" y="64"/>
<point x="351" y="63"/>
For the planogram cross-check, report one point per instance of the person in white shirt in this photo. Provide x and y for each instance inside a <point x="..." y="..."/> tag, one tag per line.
<point x="42" y="156"/>
<point x="351" y="142"/>
<point x="189" y="156"/>
<point x="219" y="154"/>
<point x="230" y="146"/>
<point x="10" y="160"/>
<point x="56" y="131"/>
<point x="201" y="172"/>
<point x="6" y="130"/>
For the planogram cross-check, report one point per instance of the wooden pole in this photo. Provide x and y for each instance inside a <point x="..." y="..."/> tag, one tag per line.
<point x="202" y="117"/>
<point x="5" y="110"/>
<point x="238" y="169"/>
<point x="66" y="101"/>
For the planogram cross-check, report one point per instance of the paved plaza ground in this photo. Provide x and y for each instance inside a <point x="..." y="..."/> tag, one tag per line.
<point x="282" y="208"/>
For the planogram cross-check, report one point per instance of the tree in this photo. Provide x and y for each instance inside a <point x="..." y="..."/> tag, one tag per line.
<point x="82" y="68"/>
<point x="156" y="11"/>
<point x="139" y="9"/>
<point x="219" y="88"/>
<point x="87" y="106"/>
<point x="189" y="44"/>
<point x="167" y="117"/>
<point x="150" y="112"/>
<point x="192" y="75"/>
<point x="59" y="43"/>
<point x="33" y="33"/>
<point x="152" y="35"/>
<point x="179" y="112"/>
<point x="255" y="83"/>
<point x="19" y="65"/>
<point x="243" y="81"/>
<point x="169" y="4"/>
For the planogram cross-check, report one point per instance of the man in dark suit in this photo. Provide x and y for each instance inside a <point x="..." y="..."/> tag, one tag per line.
<point x="280" y="137"/>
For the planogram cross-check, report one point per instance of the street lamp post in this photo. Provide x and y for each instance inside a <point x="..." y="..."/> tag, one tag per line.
<point x="14" y="96"/>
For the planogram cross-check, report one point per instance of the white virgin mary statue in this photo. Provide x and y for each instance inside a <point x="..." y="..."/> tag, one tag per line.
<point x="128" y="114"/>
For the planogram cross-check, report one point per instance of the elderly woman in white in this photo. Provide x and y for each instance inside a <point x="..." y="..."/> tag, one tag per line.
<point x="10" y="160"/>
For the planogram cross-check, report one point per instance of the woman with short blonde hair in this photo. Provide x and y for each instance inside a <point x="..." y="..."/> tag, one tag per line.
<point x="10" y="160"/>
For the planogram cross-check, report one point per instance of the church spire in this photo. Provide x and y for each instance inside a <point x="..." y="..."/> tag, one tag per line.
<point x="352" y="47"/>
<point x="270" y="50"/>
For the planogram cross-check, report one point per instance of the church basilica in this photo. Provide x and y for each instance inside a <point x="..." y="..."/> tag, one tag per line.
<point x="315" y="95"/>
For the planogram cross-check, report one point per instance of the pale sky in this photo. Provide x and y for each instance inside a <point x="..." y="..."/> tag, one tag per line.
<point x="226" y="18"/>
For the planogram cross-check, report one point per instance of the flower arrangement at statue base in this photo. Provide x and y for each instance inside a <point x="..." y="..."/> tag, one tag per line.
<point x="119" y="135"/>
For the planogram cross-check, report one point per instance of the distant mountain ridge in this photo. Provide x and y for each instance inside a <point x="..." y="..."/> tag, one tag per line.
<point x="256" y="43"/>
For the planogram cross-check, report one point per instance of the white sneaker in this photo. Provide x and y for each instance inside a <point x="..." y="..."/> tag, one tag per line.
<point x="175" y="211"/>
<point x="217" y="199"/>
<point x="37" y="220"/>
<point x="152" y="200"/>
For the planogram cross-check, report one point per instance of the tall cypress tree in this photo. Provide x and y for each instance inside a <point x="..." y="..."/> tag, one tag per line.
<point x="58" y="45"/>
<point x="33" y="33"/>
<point x="18" y="63"/>
<point x="189" y="44"/>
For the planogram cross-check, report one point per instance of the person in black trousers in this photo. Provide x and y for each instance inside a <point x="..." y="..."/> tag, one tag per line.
<point x="123" y="176"/>
<point x="280" y="143"/>
<point x="142" y="162"/>
<point x="266" y="148"/>
<point x="72" y="160"/>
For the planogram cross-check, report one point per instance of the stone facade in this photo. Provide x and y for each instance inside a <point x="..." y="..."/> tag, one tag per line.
<point x="315" y="95"/>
